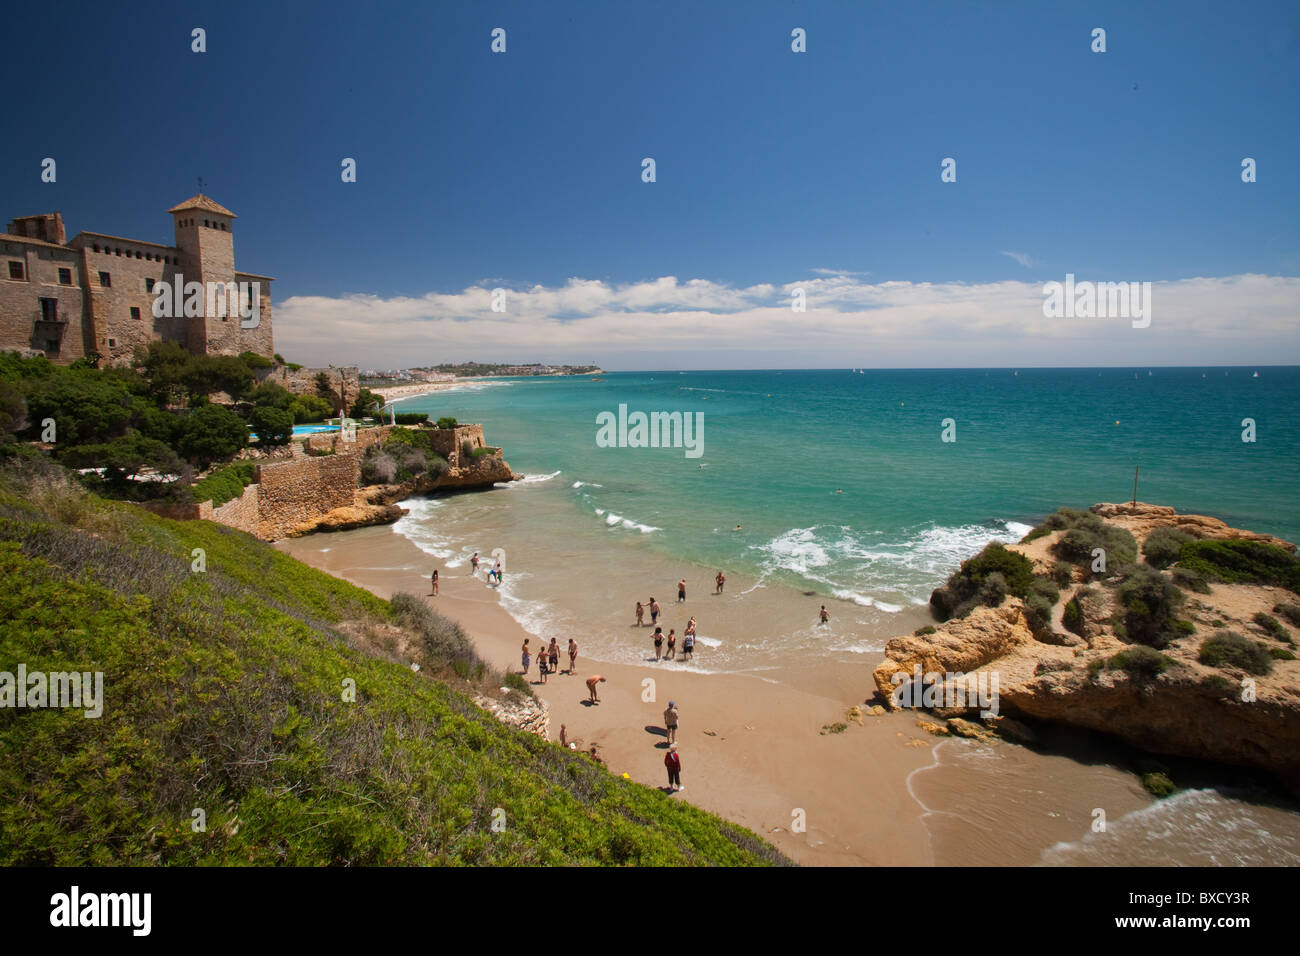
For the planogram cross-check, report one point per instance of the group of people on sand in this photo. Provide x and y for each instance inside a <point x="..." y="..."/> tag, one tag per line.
<point x="688" y="643"/>
<point x="548" y="659"/>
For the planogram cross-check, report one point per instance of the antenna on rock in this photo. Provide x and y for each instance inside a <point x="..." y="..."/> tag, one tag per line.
<point x="1136" y="468"/>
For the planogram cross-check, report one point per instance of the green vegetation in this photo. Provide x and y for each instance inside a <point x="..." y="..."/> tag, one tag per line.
<point x="1072" y="616"/>
<point x="1281" y="654"/>
<point x="273" y="426"/>
<point x="1163" y="545"/>
<point x="367" y="403"/>
<point x="836" y="728"/>
<point x="926" y="629"/>
<point x="1158" y="784"/>
<point x="446" y="422"/>
<point x="406" y="454"/>
<point x="410" y="418"/>
<point x="1289" y="611"/>
<point x="963" y="590"/>
<point x="1239" y="561"/>
<point x="230" y="691"/>
<point x="1140" y="663"/>
<point x="225" y="484"/>
<point x="1272" y="625"/>
<point x="1084" y="533"/>
<point x="1150" y="602"/>
<point x="1219" y="686"/>
<point x="1227" y="649"/>
<point x="1191" y="580"/>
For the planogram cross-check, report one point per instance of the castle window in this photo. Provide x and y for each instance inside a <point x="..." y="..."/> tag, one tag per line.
<point x="112" y="343"/>
<point x="65" y="277"/>
<point x="135" y="312"/>
<point x="117" y="252"/>
<point x="49" y="310"/>
<point x="138" y="254"/>
<point x="106" y="280"/>
<point x="148" y="285"/>
<point x="15" y="269"/>
<point x="95" y="247"/>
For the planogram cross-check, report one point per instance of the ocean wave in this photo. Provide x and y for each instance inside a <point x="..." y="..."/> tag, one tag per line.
<point x="586" y="484"/>
<point x="535" y="479"/>
<point x="1196" y="827"/>
<point x="617" y="521"/>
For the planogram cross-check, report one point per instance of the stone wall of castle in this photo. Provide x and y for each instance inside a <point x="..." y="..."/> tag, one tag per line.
<point x="20" y="299"/>
<point x="303" y="381"/>
<point x="294" y="492"/>
<point x="244" y="513"/>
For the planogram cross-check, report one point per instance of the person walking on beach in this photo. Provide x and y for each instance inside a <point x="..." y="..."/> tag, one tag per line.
<point x="654" y="611"/>
<point x="573" y="657"/>
<point x="670" y="722"/>
<point x="474" y="563"/>
<point x="543" y="665"/>
<point x="592" y="681"/>
<point x="564" y="736"/>
<point x="825" y="618"/>
<point x="553" y="652"/>
<point x="721" y="579"/>
<point x="435" y="582"/>
<point x="674" y="764"/>
<point x="672" y="645"/>
<point x="659" y="643"/>
<point x="681" y="591"/>
<point x="499" y="573"/>
<point x="640" y="614"/>
<point x="525" y="656"/>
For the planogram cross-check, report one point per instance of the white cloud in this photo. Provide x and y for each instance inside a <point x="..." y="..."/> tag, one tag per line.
<point x="1024" y="258"/>
<point x="700" y="323"/>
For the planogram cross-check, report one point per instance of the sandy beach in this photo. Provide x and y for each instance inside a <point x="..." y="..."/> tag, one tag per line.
<point x="398" y="392"/>
<point x="752" y="750"/>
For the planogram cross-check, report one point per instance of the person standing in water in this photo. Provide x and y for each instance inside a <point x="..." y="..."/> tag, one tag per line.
<point x="824" y="616"/>
<point x="681" y="591"/>
<point x="474" y="563"/>
<point x="654" y="611"/>
<point x="720" y="580"/>
<point x="659" y="643"/>
<point x="640" y="614"/>
<point x="672" y="645"/>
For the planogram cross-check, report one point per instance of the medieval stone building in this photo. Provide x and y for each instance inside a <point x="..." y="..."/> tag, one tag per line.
<point x="96" y="294"/>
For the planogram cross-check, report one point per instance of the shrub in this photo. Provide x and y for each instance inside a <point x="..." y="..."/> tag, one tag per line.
<point x="1184" y="628"/>
<point x="922" y="631"/>
<point x="379" y="469"/>
<point x="1072" y="616"/>
<point x="411" y="418"/>
<point x="255" y="361"/>
<point x="466" y="449"/>
<point x="1062" y="574"/>
<point x="957" y="596"/>
<point x="367" y="403"/>
<point x="1095" y="667"/>
<point x="1270" y="624"/>
<point x="1085" y="533"/>
<point x="1281" y="654"/>
<point x="516" y="683"/>
<point x="442" y="642"/>
<point x="1042" y="531"/>
<point x="1039" y="603"/>
<point x="1149" y="602"/>
<point x="1141" y="663"/>
<point x="274" y="426"/>
<point x="1162" y="546"/>
<point x="993" y="590"/>
<point x="225" y="484"/>
<point x="1191" y="580"/>
<point x="1226" y="649"/>
<point x="1238" y="561"/>
<point x="1289" y="611"/>
<point x="309" y="408"/>
<point x="1219" y="686"/>
<point x="446" y="423"/>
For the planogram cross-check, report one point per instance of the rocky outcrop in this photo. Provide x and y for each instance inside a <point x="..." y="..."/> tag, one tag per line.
<point x="526" y="713"/>
<point x="1141" y="519"/>
<point x="1189" y="709"/>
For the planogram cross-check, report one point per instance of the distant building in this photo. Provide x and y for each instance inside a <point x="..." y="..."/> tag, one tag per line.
<point x="95" y="294"/>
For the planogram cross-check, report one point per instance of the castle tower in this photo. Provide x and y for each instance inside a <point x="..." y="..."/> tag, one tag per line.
<point x="205" y="238"/>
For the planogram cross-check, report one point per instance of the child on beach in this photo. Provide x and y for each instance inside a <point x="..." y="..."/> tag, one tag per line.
<point x="824" y="616"/>
<point x="526" y="657"/>
<point x="573" y="657"/>
<point x="672" y="645"/>
<point x="435" y="582"/>
<point x="543" y="665"/>
<point x="640" y="614"/>
<point x="659" y="643"/>
<point x="474" y="563"/>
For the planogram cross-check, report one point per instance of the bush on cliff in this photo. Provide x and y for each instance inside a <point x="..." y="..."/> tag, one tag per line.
<point x="446" y="422"/>
<point x="1149" y="602"/>
<point x="239" y="691"/>
<point x="1228" y="649"/>
<point x="1140" y="663"/>
<point x="1072" y="616"/>
<point x="212" y="433"/>
<point x="1240" y="561"/>
<point x="1039" y="603"/>
<point x="1288" y="610"/>
<point x="1191" y="580"/>
<point x="1163" y="545"/>
<point x="225" y="484"/>
<point x="443" y="642"/>
<point x="1084" y="534"/>
<point x="961" y="592"/>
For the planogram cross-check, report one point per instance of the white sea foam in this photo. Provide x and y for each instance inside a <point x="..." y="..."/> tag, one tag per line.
<point x="587" y="484"/>
<point x="535" y="479"/>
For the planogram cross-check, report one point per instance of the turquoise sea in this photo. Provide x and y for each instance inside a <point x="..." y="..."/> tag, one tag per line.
<point x="841" y="481"/>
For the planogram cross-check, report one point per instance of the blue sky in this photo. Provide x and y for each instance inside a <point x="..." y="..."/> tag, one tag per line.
<point x="523" y="170"/>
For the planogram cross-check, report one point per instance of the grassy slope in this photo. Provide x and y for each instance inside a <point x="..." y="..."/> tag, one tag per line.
<point x="224" y="692"/>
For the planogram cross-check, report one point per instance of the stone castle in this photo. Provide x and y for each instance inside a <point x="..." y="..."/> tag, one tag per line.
<point x="95" y="295"/>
